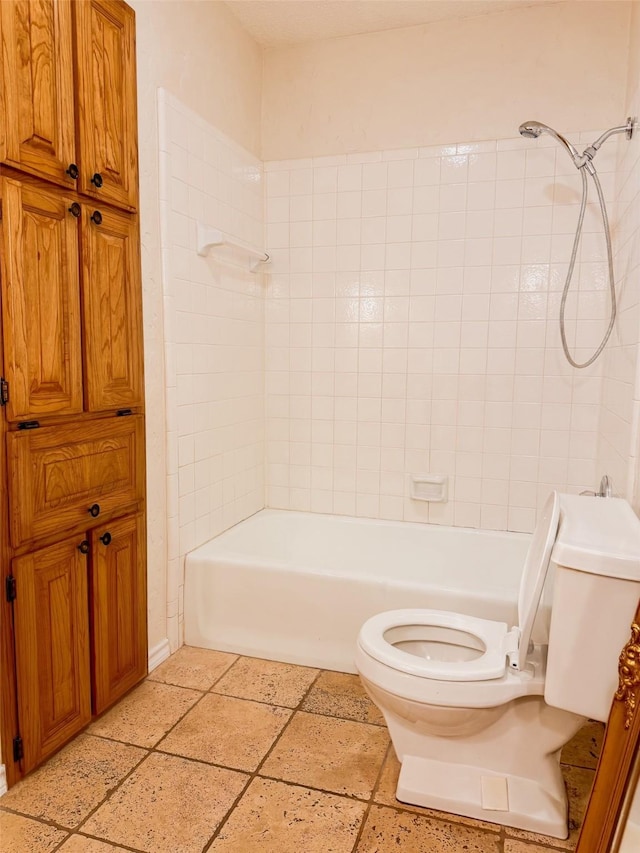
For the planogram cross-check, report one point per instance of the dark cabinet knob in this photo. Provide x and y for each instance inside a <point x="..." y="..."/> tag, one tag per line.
<point x="96" y="180"/>
<point x="96" y="217"/>
<point x="74" y="210"/>
<point x="83" y="547"/>
<point x="106" y="538"/>
<point x="94" y="510"/>
<point x="72" y="171"/>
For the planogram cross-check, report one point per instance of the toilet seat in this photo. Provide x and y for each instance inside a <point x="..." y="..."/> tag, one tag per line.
<point x="500" y="644"/>
<point x="488" y="693"/>
<point x="492" y="635"/>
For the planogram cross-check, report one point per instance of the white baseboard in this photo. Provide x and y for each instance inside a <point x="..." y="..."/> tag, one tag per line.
<point x="3" y="780"/>
<point x="158" y="654"/>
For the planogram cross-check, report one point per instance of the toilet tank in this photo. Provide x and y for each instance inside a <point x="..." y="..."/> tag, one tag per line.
<point x="595" y="596"/>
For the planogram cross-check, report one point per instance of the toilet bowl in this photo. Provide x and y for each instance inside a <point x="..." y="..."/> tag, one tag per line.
<point x="464" y="698"/>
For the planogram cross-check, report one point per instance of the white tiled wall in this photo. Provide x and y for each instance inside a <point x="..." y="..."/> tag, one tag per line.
<point x="411" y="327"/>
<point x="619" y="438"/>
<point x="214" y="333"/>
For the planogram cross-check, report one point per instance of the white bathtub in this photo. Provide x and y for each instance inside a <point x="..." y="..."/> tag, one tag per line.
<point x="296" y="586"/>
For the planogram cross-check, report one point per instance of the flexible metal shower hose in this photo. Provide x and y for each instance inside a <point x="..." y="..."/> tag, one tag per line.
<point x="572" y="263"/>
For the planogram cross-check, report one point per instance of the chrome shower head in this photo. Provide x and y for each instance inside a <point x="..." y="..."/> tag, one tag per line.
<point x="533" y="129"/>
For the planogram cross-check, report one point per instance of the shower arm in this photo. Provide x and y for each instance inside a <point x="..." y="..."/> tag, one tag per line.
<point x="591" y="150"/>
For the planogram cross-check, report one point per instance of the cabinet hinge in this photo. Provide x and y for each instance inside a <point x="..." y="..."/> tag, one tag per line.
<point x="4" y="392"/>
<point x="29" y="425"/>
<point x="11" y="588"/>
<point x="18" y="749"/>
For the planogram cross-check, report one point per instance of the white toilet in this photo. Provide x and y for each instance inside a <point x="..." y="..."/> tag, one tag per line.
<point x="478" y="713"/>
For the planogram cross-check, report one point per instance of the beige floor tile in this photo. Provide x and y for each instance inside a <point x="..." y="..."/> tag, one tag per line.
<point x="579" y="782"/>
<point x="386" y="794"/>
<point x="82" y="844"/>
<point x="267" y="681"/>
<point x="22" y="835"/>
<point x="72" y="783"/>
<point x="336" y="755"/>
<point x="197" y="669"/>
<point x="341" y="695"/>
<point x="513" y="846"/>
<point x="387" y="830"/>
<point x="146" y="714"/>
<point x="223" y="730"/>
<point x="168" y="805"/>
<point x="273" y="817"/>
<point x="584" y="749"/>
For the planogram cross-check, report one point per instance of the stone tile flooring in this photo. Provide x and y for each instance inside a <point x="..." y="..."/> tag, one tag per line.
<point x="216" y="752"/>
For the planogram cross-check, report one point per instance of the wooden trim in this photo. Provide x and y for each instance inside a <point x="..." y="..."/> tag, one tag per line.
<point x="619" y="752"/>
<point x="8" y="687"/>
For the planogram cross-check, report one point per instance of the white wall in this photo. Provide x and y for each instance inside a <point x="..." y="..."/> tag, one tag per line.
<point x="619" y="429"/>
<point x="471" y="79"/>
<point x="412" y="328"/>
<point x="214" y="339"/>
<point x="198" y="51"/>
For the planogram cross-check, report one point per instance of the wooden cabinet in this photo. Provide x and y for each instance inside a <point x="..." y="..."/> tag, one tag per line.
<point x="51" y="647"/>
<point x="49" y="101"/>
<point x="72" y="456"/>
<point x="56" y="249"/>
<point x="112" y="309"/>
<point x="36" y="88"/>
<point x="73" y="660"/>
<point x="40" y="302"/>
<point x="62" y="476"/>
<point x="106" y="77"/>
<point x="118" y="595"/>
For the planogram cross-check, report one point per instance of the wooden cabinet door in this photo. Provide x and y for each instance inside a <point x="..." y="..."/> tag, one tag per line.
<point x="36" y="88"/>
<point x="40" y="302"/>
<point x="51" y="619"/>
<point x="107" y="110"/>
<point x="60" y="477"/>
<point x="119" y="609"/>
<point x="112" y="310"/>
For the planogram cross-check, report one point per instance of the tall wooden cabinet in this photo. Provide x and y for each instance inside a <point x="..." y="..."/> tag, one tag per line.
<point x="72" y="457"/>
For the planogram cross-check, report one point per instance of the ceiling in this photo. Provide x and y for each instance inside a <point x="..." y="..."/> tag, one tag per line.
<point x="280" y="22"/>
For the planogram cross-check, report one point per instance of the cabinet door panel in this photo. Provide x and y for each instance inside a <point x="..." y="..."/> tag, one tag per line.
<point x="106" y="73"/>
<point x="52" y="648"/>
<point x="112" y="311"/>
<point x="119" y="608"/>
<point x="40" y="302"/>
<point x="36" y="87"/>
<point x="57" y="473"/>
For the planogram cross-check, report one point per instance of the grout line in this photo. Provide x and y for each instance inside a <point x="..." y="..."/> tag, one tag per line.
<point x="43" y="820"/>
<point x="501" y="831"/>
<point x="182" y="686"/>
<point x="371" y="801"/>
<point x="97" y="838"/>
<point x="148" y="751"/>
<point x="258" y="768"/>
<point x="110" y="791"/>
<point x="327" y="791"/>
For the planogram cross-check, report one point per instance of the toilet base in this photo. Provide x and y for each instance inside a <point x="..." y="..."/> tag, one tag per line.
<point x="484" y="795"/>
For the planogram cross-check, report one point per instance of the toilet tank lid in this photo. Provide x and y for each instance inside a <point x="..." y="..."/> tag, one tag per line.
<point x="598" y="535"/>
